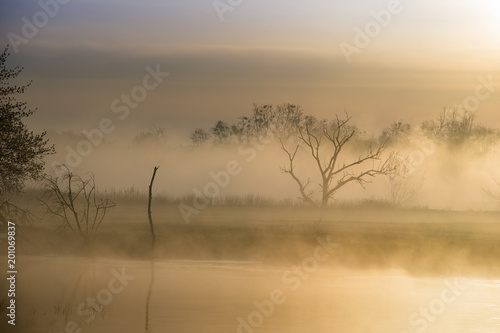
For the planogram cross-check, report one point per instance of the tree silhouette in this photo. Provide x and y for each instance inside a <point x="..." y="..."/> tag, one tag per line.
<point x="21" y="150"/>
<point x="403" y="179"/>
<point x="222" y="132"/>
<point x="396" y="132"/>
<point x="76" y="202"/>
<point x="264" y="119"/>
<point x="325" y="143"/>
<point x="453" y="126"/>
<point x="200" y="137"/>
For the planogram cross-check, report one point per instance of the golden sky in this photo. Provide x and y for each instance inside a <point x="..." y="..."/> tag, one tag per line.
<point x="222" y="56"/>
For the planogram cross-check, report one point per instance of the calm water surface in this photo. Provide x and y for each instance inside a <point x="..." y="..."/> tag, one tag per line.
<point x="58" y="294"/>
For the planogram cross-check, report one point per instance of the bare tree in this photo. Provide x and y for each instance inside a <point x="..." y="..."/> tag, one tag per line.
<point x="15" y="213"/>
<point x="493" y="193"/>
<point x="404" y="180"/>
<point x="453" y="126"/>
<point x="325" y="143"/>
<point x="75" y="200"/>
<point x="150" y="217"/>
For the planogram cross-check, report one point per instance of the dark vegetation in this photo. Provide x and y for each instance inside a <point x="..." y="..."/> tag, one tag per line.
<point x="74" y="201"/>
<point x="21" y="150"/>
<point x="379" y="234"/>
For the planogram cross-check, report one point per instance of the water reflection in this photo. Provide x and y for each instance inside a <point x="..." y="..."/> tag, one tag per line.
<point x="211" y="297"/>
<point x="148" y="295"/>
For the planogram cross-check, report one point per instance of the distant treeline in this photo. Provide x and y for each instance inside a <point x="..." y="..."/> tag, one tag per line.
<point x="453" y="127"/>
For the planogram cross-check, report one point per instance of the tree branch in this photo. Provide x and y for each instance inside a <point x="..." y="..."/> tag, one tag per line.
<point x="302" y="187"/>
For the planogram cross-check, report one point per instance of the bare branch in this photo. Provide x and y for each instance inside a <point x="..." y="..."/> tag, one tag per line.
<point x="326" y="152"/>
<point x="302" y="187"/>
<point x="74" y="200"/>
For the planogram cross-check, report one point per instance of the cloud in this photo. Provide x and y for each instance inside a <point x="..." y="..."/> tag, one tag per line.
<point x="210" y="83"/>
<point x="223" y="65"/>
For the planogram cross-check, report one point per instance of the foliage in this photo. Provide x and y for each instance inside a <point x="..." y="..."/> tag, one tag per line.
<point x="21" y="150"/>
<point x="222" y="132"/>
<point x="453" y="126"/>
<point x="200" y="137"/>
<point x="280" y="120"/>
<point x="397" y="132"/>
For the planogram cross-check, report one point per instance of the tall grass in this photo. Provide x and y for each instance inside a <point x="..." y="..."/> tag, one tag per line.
<point x="132" y="194"/>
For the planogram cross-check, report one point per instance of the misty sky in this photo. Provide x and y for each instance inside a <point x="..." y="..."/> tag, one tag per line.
<point x="91" y="52"/>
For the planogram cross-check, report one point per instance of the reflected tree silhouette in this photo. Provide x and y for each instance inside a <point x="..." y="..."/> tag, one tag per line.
<point x="153" y="239"/>
<point x="148" y="295"/>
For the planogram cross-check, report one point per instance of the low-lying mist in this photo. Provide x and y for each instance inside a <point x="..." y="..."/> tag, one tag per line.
<point x="443" y="177"/>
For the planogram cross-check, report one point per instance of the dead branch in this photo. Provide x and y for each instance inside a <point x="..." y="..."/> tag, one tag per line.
<point x="325" y="143"/>
<point x="74" y="200"/>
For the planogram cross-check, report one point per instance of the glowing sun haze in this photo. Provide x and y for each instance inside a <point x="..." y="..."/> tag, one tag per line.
<point x="429" y="55"/>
